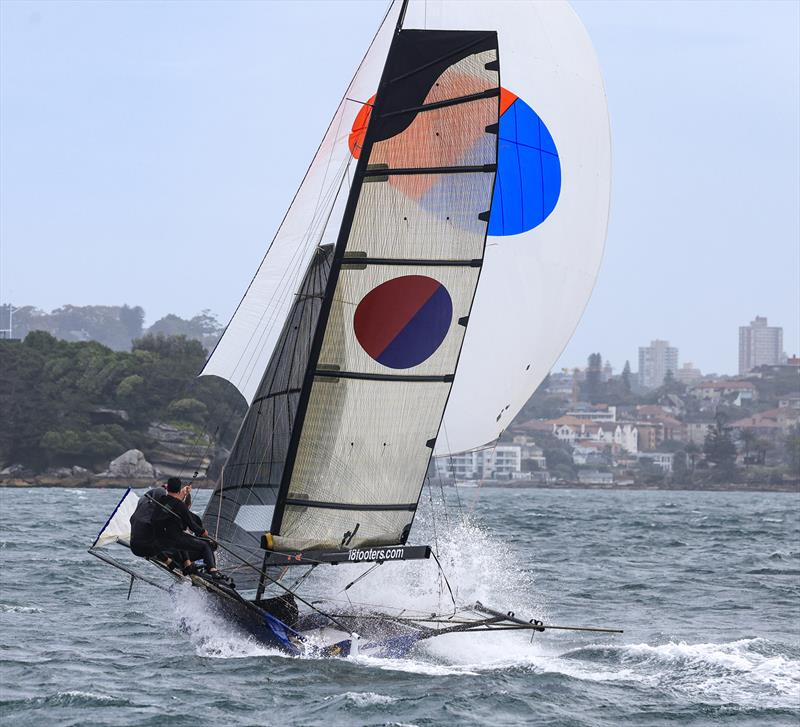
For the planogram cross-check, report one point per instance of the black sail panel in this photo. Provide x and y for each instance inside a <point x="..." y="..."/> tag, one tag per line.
<point x="241" y="507"/>
<point x="402" y="282"/>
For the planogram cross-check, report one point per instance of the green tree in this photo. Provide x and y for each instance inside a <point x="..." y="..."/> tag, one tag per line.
<point x="792" y="450"/>
<point x="25" y="407"/>
<point x="128" y="387"/>
<point x="204" y="328"/>
<point x="650" y="473"/>
<point x="692" y="454"/>
<point x="95" y="445"/>
<point x="132" y="320"/>
<point x="593" y="386"/>
<point x="542" y="405"/>
<point x="720" y="450"/>
<point x="188" y="410"/>
<point x="680" y="466"/>
<point x="558" y="454"/>
<point x="626" y="377"/>
<point x="563" y="473"/>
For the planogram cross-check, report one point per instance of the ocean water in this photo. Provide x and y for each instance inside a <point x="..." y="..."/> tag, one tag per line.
<point x="706" y="586"/>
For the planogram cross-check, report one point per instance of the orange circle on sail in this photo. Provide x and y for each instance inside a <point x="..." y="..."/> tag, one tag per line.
<point x="356" y="138"/>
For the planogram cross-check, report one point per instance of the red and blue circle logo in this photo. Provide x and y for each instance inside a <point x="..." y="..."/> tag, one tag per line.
<point x="528" y="181"/>
<point x="402" y="322"/>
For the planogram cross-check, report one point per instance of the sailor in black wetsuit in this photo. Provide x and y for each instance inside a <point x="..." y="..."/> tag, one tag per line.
<point x="143" y="535"/>
<point x="170" y="524"/>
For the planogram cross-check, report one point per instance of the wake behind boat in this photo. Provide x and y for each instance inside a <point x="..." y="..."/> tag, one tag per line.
<point x="351" y="342"/>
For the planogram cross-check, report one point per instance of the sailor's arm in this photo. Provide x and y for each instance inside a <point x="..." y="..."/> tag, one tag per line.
<point x="189" y="520"/>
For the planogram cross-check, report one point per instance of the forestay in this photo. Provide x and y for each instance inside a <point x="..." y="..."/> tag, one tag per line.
<point x="402" y="283"/>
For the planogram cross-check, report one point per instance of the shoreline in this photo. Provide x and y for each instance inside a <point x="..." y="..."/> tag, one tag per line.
<point x="204" y="484"/>
<point x="104" y="483"/>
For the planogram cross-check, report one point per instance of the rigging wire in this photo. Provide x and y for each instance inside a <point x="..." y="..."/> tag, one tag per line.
<point x="308" y="169"/>
<point x="257" y="414"/>
<point x="435" y="540"/>
<point x="287" y="283"/>
<point x="305" y="575"/>
<point x="211" y="440"/>
<point x="363" y="575"/>
<point x="452" y="469"/>
<point x="447" y="583"/>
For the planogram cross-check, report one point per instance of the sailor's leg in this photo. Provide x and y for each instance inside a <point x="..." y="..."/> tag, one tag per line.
<point x="195" y="548"/>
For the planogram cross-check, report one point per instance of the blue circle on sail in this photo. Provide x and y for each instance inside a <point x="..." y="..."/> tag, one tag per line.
<point x="528" y="180"/>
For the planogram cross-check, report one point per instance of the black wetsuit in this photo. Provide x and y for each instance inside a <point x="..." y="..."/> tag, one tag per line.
<point x="171" y="521"/>
<point x="144" y="542"/>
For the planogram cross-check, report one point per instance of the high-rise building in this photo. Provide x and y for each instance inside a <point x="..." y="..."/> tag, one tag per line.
<point x="654" y="362"/>
<point x="759" y="345"/>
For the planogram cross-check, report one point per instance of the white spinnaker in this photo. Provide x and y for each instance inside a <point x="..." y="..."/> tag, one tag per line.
<point x="314" y="217"/>
<point x="535" y="285"/>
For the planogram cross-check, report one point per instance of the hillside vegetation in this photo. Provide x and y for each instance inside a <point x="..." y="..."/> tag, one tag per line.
<point x="81" y="403"/>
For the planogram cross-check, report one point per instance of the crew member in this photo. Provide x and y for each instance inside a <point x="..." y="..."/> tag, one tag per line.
<point x="171" y="523"/>
<point x="143" y="535"/>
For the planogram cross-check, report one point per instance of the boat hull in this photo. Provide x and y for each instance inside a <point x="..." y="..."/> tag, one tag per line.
<point x="309" y="635"/>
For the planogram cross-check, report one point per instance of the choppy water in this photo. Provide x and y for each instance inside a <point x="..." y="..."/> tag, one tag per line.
<point x="706" y="585"/>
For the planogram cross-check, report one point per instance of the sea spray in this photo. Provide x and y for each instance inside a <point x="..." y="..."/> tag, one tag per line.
<point x="198" y="616"/>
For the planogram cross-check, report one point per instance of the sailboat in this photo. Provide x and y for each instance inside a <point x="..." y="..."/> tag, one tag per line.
<point x="428" y="272"/>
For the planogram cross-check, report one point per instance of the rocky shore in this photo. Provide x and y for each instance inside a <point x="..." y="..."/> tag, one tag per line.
<point x="174" y="451"/>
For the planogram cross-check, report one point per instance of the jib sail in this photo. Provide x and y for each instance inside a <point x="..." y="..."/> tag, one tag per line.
<point x="242" y="505"/>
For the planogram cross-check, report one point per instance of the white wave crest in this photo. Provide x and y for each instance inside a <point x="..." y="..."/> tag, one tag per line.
<point x="76" y="694"/>
<point x="742" y="672"/>
<point x="366" y="699"/>
<point x="9" y="608"/>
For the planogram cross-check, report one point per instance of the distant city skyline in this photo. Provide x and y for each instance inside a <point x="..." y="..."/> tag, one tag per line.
<point x="140" y="167"/>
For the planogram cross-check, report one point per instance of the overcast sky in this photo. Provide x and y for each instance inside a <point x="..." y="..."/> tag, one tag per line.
<point x="148" y="151"/>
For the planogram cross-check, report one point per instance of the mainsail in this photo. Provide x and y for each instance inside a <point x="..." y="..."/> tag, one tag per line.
<point x="404" y="275"/>
<point x="334" y="448"/>
<point x="548" y="223"/>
